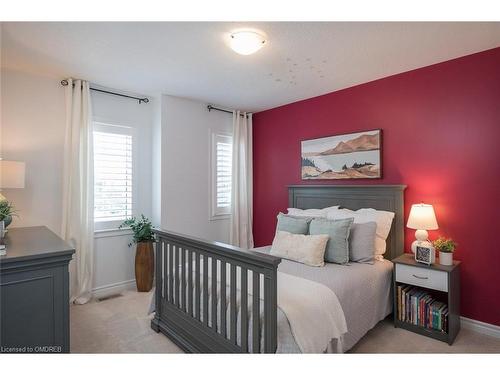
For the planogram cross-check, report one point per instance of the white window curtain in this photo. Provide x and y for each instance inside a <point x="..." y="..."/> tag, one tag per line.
<point x="78" y="189"/>
<point x="242" y="179"/>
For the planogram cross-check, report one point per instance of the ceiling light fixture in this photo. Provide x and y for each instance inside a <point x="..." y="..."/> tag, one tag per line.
<point x="246" y="42"/>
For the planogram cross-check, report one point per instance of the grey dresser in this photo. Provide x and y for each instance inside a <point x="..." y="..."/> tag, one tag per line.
<point x="34" y="292"/>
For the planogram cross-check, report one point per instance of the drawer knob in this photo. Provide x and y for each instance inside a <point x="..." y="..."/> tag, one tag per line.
<point x="420" y="277"/>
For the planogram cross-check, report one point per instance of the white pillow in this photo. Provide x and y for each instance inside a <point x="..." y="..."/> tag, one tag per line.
<point x="311" y="212"/>
<point x="366" y="215"/>
<point x="307" y="249"/>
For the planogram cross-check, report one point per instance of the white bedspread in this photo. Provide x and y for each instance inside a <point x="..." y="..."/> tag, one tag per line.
<point x="353" y="299"/>
<point x="313" y="312"/>
<point x="363" y="290"/>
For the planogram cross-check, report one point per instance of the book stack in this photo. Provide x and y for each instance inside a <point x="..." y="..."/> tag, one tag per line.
<point x="418" y="307"/>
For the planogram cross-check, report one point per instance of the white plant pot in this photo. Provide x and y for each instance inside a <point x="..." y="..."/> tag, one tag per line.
<point x="445" y="259"/>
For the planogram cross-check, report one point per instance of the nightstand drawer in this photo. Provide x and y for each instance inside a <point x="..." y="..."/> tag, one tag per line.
<point x="419" y="276"/>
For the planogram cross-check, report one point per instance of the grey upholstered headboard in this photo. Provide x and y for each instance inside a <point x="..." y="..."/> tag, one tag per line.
<point x="380" y="197"/>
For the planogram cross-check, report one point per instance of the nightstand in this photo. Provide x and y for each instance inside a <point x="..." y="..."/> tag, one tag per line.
<point x="441" y="282"/>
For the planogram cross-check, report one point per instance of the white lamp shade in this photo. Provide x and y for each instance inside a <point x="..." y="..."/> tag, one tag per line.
<point x="12" y="174"/>
<point x="422" y="216"/>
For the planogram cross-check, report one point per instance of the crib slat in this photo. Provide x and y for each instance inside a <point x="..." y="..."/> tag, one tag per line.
<point x="170" y="273"/>
<point x="205" y="290"/>
<point x="164" y="257"/>
<point x="232" y="303"/>
<point x="244" y="310"/>
<point x="158" y="275"/>
<point x="223" y="305"/>
<point x="256" y="313"/>
<point x="190" y="283"/>
<point x="183" y="278"/>
<point x="214" y="294"/>
<point x="270" y="318"/>
<point x="197" y="287"/>
<point x="177" y="276"/>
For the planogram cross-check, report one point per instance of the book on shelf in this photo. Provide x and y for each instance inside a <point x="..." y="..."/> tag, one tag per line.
<point x="419" y="307"/>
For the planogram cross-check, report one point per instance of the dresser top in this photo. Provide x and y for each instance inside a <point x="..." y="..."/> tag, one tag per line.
<point x="409" y="259"/>
<point x="33" y="243"/>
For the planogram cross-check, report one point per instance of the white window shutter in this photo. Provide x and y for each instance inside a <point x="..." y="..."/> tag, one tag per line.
<point x="113" y="184"/>
<point x="222" y="155"/>
<point x="224" y="163"/>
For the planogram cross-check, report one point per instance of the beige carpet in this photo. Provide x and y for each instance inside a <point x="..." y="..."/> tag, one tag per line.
<point x="121" y="325"/>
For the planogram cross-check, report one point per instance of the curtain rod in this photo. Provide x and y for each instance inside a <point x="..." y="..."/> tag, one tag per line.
<point x="211" y="107"/>
<point x="65" y="82"/>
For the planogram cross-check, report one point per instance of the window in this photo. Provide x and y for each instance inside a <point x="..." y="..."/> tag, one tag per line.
<point x="222" y="151"/>
<point x="113" y="175"/>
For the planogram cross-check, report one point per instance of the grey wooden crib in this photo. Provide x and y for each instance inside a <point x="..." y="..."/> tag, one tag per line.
<point x="243" y="317"/>
<point x="199" y="317"/>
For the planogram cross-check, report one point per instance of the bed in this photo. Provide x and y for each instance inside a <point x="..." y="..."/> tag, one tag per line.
<point x="206" y="291"/>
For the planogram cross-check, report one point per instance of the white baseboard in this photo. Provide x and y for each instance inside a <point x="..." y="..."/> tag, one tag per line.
<point x="480" y="327"/>
<point x="110" y="289"/>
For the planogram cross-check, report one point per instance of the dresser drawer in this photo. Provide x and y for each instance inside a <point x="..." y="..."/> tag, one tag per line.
<point x="419" y="276"/>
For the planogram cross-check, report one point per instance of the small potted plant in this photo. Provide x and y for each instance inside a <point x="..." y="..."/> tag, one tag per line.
<point x="6" y="212"/>
<point x="446" y="247"/>
<point x="143" y="236"/>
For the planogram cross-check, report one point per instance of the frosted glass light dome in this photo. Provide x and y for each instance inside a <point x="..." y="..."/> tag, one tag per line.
<point x="246" y="42"/>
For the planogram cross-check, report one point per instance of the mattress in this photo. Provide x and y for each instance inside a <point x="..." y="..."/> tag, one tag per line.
<point x="363" y="290"/>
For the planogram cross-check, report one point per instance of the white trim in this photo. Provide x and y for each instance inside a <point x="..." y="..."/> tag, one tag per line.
<point x="220" y="217"/>
<point x="107" y="290"/>
<point x="101" y="233"/>
<point x="480" y="327"/>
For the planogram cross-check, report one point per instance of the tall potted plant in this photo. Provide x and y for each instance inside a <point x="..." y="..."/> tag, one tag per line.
<point x="144" y="256"/>
<point x="446" y="247"/>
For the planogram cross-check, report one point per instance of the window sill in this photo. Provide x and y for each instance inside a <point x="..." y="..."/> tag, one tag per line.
<point x="220" y="217"/>
<point x="113" y="232"/>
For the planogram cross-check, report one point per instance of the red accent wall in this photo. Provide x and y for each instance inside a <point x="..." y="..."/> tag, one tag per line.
<point x="441" y="137"/>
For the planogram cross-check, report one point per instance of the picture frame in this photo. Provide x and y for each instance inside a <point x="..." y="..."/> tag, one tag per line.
<point x="356" y="155"/>
<point x="425" y="253"/>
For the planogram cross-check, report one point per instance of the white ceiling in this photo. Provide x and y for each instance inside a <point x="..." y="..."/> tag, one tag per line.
<point x="300" y="60"/>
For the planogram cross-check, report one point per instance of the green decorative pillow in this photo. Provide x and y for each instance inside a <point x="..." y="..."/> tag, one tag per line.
<point x="292" y="224"/>
<point x="337" y="248"/>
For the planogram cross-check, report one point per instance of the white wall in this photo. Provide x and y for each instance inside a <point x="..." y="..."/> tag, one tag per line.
<point x="32" y="122"/>
<point x="33" y="132"/>
<point x="185" y="167"/>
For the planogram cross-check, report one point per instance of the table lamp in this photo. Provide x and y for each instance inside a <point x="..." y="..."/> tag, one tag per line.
<point x="11" y="175"/>
<point x="422" y="218"/>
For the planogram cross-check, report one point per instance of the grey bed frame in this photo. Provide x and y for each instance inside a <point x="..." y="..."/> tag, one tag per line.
<point x="195" y="323"/>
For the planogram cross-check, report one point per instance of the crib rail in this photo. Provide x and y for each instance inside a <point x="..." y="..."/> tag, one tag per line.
<point x="208" y="295"/>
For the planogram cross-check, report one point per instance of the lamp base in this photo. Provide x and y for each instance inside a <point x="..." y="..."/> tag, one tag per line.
<point x="421" y="236"/>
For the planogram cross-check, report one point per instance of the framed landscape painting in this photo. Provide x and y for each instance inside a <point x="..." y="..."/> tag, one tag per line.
<point x="346" y="156"/>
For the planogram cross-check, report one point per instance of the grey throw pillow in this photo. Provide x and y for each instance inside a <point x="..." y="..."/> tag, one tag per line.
<point x="292" y="224"/>
<point x="362" y="242"/>
<point x="337" y="248"/>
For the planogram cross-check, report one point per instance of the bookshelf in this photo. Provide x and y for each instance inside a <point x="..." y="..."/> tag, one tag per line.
<point x="442" y="283"/>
